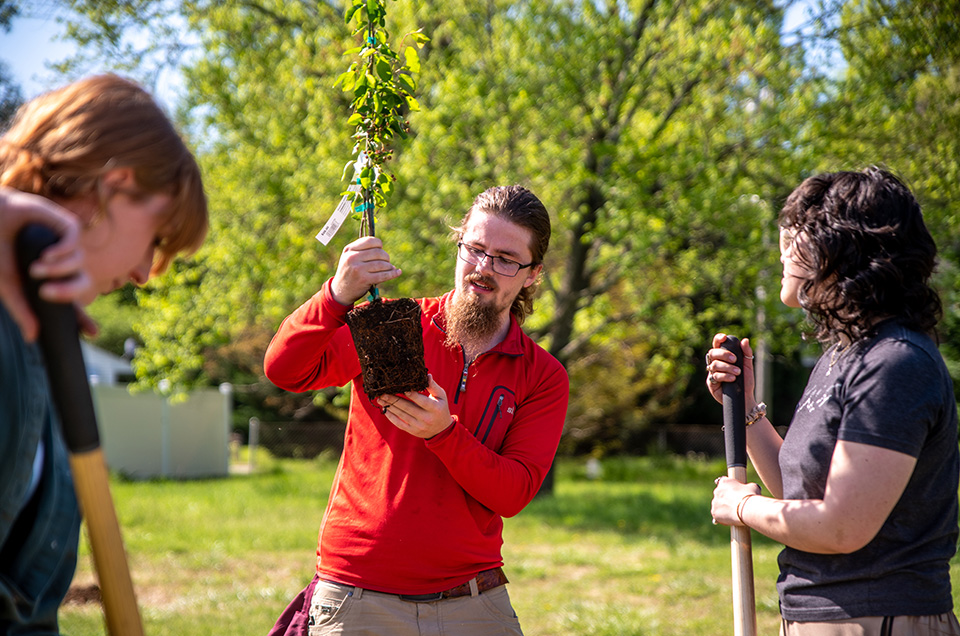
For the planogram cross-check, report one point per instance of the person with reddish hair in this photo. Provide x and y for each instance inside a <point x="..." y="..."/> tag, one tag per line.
<point x="100" y="163"/>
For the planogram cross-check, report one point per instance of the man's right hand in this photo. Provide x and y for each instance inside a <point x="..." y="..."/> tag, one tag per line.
<point x="62" y="262"/>
<point x="363" y="264"/>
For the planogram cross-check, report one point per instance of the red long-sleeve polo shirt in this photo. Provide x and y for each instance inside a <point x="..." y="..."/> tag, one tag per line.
<point x="415" y="516"/>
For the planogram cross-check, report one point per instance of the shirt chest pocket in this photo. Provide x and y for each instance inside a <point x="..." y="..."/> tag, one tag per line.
<point x="496" y="417"/>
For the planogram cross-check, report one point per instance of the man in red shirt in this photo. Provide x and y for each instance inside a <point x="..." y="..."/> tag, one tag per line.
<point x="410" y="541"/>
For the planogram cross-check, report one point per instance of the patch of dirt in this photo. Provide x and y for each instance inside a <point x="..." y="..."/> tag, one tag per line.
<point x="83" y="595"/>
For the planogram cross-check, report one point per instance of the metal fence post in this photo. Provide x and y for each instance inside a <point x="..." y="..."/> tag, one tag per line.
<point x="252" y="443"/>
<point x="164" y="386"/>
<point x="226" y="390"/>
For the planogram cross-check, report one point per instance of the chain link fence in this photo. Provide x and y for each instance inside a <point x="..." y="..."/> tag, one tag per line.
<point x="297" y="440"/>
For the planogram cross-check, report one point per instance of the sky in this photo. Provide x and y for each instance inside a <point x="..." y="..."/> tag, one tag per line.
<point x="27" y="47"/>
<point x="36" y="41"/>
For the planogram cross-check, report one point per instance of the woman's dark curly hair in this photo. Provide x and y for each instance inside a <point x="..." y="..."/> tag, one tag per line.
<point x="870" y="254"/>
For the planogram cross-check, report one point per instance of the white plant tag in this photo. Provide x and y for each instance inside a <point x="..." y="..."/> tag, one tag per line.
<point x="343" y="209"/>
<point x="339" y="215"/>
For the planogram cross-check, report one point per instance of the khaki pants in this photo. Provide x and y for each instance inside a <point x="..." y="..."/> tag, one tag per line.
<point x="352" y="611"/>
<point x="944" y="624"/>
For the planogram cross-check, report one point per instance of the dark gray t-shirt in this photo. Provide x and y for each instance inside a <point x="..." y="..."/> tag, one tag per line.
<point x="891" y="391"/>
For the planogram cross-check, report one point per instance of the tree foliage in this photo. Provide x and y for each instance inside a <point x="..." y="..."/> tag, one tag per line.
<point x="898" y="104"/>
<point x="648" y="128"/>
<point x="663" y="137"/>
<point x="11" y="97"/>
<point x="9" y="9"/>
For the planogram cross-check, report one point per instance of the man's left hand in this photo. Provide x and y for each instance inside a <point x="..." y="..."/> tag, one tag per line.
<point x="421" y="415"/>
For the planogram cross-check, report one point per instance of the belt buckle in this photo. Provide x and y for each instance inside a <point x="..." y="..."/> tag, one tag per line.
<point x="421" y="598"/>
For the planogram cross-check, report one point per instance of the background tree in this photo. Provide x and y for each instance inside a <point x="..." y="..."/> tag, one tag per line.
<point x="663" y="137"/>
<point x="897" y="103"/>
<point x="9" y="9"/>
<point x="11" y="97"/>
<point x="642" y="125"/>
<point x="272" y="151"/>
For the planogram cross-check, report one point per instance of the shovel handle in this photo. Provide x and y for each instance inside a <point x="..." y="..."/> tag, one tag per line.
<point x="63" y="358"/>
<point x="734" y="411"/>
<point x="735" y="443"/>
<point x="61" y="347"/>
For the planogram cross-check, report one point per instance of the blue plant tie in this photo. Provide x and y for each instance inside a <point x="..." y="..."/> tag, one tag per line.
<point x="363" y="207"/>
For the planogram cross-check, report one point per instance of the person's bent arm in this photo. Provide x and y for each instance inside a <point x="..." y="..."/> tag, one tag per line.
<point x="763" y="447"/>
<point x="313" y="348"/>
<point x="863" y="486"/>
<point x="507" y="480"/>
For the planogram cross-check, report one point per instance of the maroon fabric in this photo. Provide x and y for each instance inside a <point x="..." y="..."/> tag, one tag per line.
<point x="295" y="620"/>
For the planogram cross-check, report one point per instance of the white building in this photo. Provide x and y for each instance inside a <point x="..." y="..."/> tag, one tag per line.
<point x="103" y="367"/>
<point x="147" y="435"/>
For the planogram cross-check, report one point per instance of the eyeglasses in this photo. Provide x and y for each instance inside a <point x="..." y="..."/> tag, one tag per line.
<point x="503" y="266"/>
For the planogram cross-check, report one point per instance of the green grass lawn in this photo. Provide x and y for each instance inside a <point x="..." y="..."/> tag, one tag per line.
<point x="632" y="554"/>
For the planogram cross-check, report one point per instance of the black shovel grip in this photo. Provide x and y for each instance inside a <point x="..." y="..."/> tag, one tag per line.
<point x="734" y="411"/>
<point x="59" y="340"/>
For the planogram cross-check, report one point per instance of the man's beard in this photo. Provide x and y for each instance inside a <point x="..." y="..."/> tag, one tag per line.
<point x="470" y="320"/>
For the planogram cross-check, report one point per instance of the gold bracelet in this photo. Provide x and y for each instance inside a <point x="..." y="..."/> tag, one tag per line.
<point x="740" y="508"/>
<point x="757" y="412"/>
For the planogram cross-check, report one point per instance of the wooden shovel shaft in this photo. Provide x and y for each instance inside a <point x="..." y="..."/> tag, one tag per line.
<point x="93" y="491"/>
<point x="741" y="559"/>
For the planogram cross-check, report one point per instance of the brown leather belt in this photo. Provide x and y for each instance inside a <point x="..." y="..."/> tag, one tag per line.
<point x="486" y="580"/>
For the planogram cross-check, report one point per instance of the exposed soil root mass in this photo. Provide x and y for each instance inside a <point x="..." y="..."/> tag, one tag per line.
<point x="389" y="340"/>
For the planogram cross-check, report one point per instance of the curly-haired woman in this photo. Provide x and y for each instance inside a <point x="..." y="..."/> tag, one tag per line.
<point x="864" y="484"/>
